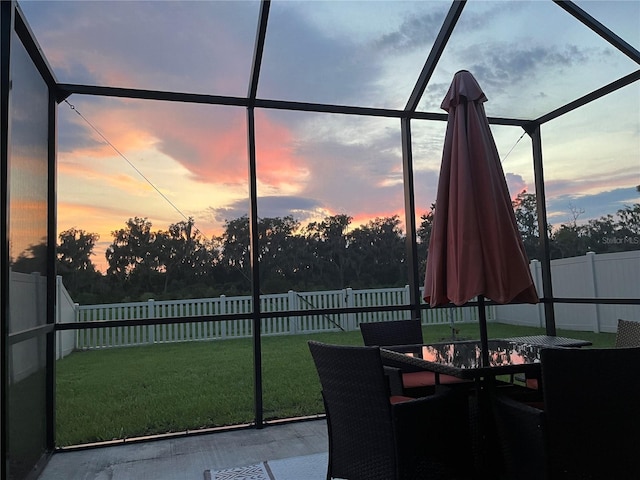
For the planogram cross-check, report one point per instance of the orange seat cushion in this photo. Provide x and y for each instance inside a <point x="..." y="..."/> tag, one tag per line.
<point x="451" y="379"/>
<point x="427" y="379"/>
<point x="418" y="379"/>
<point x="399" y="399"/>
<point x="532" y="383"/>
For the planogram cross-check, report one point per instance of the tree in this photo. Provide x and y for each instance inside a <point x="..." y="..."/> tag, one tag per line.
<point x="327" y="241"/>
<point x="134" y="256"/>
<point x="424" y="236"/>
<point x="607" y="234"/>
<point x="32" y="259"/>
<point x="426" y="225"/>
<point x="278" y="253"/>
<point x="570" y="239"/>
<point x="377" y="253"/>
<point x="235" y="249"/>
<point x="525" y="210"/>
<point x="76" y="249"/>
<point x="327" y="254"/>
<point x="74" y="263"/>
<point x="185" y="255"/>
<point x="629" y="223"/>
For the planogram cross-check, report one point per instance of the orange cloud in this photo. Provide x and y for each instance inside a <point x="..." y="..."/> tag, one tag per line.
<point x="209" y="141"/>
<point x="95" y="219"/>
<point x="116" y="124"/>
<point x="95" y="171"/>
<point x="214" y="148"/>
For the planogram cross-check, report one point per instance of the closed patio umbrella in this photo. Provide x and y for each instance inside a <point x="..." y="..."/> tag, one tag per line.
<point x="475" y="248"/>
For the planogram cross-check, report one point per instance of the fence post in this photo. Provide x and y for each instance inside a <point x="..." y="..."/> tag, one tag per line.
<point x="151" y="313"/>
<point x="223" y="311"/>
<point x="349" y="300"/>
<point x="406" y="300"/>
<point x="58" y="338"/>
<point x="293" y="305"/>
<point x="470" y="313"/>
<point x="593" y="284"/>
<point x="80" y="341"/>
<point x="536" y="273"/>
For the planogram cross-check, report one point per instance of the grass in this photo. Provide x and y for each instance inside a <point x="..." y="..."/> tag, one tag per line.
<point x="129" y="392"/>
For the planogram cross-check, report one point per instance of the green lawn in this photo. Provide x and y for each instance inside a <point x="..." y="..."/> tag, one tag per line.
<point x="130" y="392"/>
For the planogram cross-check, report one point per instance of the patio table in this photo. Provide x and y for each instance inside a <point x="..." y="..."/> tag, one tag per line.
<point x="550" y="341"/>
<point x="533" y="380"/>
<point x="463" y="360"/>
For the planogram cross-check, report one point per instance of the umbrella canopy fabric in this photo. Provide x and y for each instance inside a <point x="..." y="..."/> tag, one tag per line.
<point x="475" y="247"/>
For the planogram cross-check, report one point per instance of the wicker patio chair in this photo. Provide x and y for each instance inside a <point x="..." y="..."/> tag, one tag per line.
<point x="585" y="425"/>
<point x="373" y="436"/>
<point x="628" y="333"/>
<point x="396" y="332"/>
<point x="415" y="382"/>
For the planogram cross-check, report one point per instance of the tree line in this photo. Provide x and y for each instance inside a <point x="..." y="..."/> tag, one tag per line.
<point x="323" y="255"/>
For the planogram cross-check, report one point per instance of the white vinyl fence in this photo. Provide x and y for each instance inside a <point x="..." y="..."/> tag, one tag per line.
<point x="602" y="276"/>
<point x="27" y="310"/>
<point x="107" y="336"/>
<point x="615" y="275"/>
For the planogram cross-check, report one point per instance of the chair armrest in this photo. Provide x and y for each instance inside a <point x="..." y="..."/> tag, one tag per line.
<point x="394" y="377"/>
<point x="521" y="437"/>
<point x="436" y="429"/>
<point x="446" y="408"/>
<point x="404" y="367"/>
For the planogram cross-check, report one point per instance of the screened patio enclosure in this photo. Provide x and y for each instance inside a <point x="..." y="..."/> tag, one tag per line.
<point x="270" y="109"/>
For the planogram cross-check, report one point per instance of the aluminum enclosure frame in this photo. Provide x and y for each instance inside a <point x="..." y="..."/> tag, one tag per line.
<point x="11" y="14"/>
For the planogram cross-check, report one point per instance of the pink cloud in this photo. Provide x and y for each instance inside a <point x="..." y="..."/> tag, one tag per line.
<point x="515" y="184"/>
<point x="210" y="142"/>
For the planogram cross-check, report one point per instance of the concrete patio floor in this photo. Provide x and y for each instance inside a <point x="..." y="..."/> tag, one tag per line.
<point x="186" y="458"/>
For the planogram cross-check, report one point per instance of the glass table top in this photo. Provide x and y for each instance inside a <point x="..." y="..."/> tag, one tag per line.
<point x="465" y="357"/>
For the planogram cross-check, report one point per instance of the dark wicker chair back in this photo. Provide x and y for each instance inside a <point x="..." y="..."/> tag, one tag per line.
<point x="371" y="438"/>
<point x="356" y="396"/>
<point x="415" y="381"/>
<point x="398" y="332"/>
<point x="587" y="419"/>
<point x="590" y="398"/>
<point x="628" y="333"/>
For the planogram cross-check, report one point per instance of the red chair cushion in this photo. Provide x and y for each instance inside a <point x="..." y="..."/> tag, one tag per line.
<point x="427" y="379"/>
<point x="532" y="383"/>
<point x="418" y="379"/>
<point x="451" y="379"/>
<point x="399" y="399"/>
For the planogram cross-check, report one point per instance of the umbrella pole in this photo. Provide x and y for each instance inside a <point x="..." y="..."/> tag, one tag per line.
<point x="451" y="323"/>
<point x="484" y="342"/>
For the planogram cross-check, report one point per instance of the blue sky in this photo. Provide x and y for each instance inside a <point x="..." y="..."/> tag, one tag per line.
<point x="529" y="57"/>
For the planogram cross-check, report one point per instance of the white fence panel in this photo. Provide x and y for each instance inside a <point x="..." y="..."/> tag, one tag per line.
<point x="65" y="313"/>
<point x="615" y="275"/>
<point x="26" y="357"/>
<point x="275" y="303"/>
<point x="321" y="322"/>
<point x="604" y="276"/>
<point x="381" y="297"/>
<point x="525" y="315"/>
<point x="571" y="278"/>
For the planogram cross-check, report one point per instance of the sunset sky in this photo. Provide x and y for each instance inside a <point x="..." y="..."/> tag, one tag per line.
<point x="529" y="57"/>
